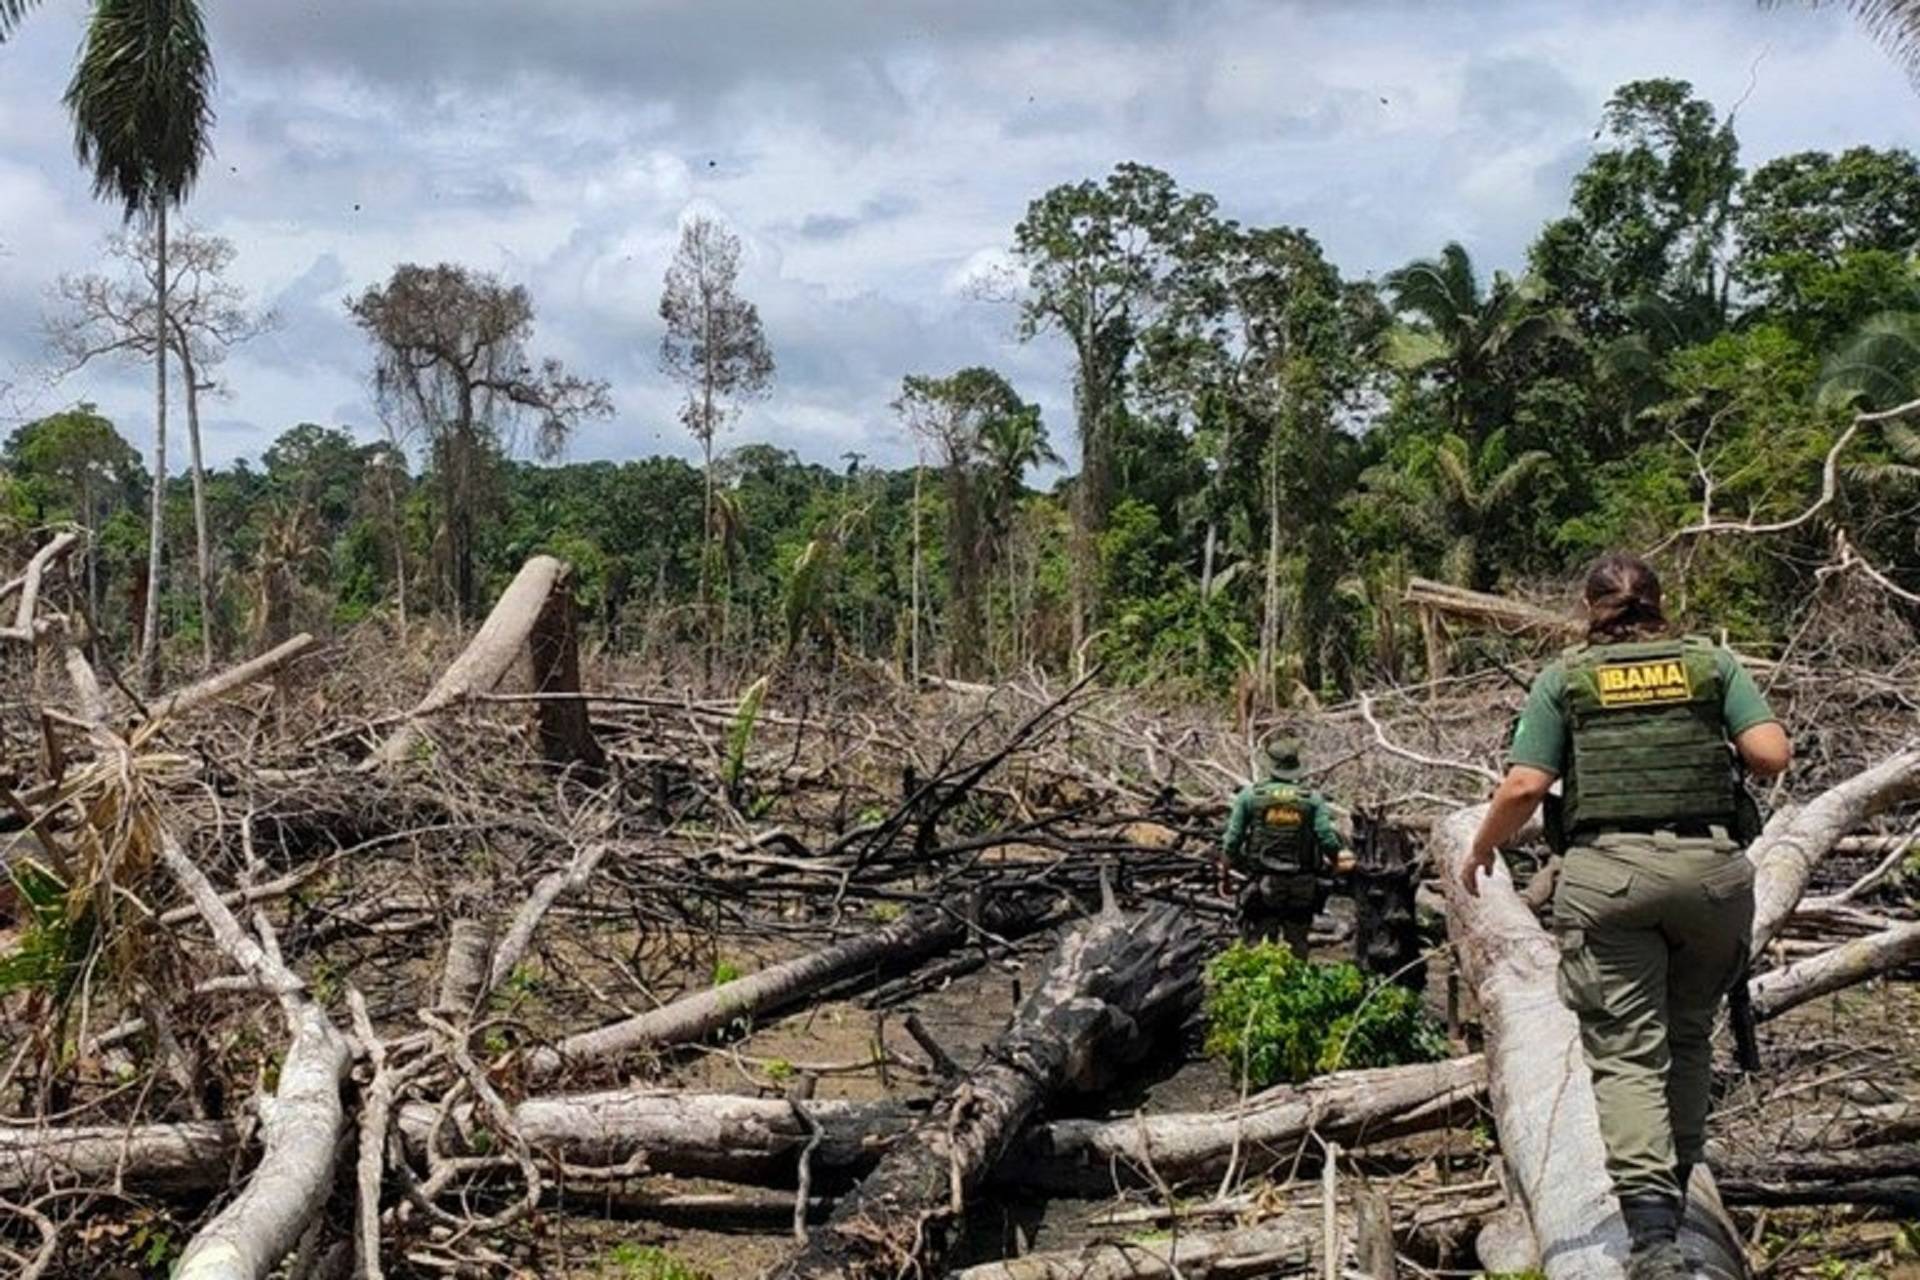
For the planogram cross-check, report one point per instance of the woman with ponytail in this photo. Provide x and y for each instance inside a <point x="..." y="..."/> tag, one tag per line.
<point x="1645" y="732"/>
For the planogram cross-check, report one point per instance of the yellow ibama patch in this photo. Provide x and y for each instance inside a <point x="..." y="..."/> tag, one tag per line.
<point x="1282" y="816"/>
<point x="1637" y="684"/>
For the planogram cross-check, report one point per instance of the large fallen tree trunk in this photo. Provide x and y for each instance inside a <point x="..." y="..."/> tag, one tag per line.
<point x="736" y="1139"/>
<point x="1173" y="1148"/>
<point x="1843" y="966"/>
<point x="757" y="1140"/>
<point x="1795" y="840"/>
<point x="918" y="934"/>
<point x="521" y="622"/>
<point x="301" y="1121"/>
<point x="1549" y="1127"/>
<point x="192" y="1156"/>
<point x="1110" y="984"/>
<point x="1282" y="1246"/>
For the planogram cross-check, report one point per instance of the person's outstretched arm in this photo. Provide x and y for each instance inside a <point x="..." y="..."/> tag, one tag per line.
<point x="1514" y="801"/>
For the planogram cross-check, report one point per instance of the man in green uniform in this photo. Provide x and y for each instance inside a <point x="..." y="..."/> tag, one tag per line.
<point x="1281" y="839"/>
<point x="1654" y="903"/>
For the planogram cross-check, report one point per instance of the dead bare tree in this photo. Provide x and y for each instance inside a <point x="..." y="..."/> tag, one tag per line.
<point x="716" y="350"/>
<point x="207" y="316"/>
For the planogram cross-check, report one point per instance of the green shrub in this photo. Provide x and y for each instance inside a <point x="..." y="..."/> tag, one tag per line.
<point x="1273" y="1017"/>
<point x="647" y="1262"/>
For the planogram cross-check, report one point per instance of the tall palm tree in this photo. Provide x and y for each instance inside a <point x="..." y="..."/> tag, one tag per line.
<point x="141" y="99"/>
<point x="1460" y="330"/>
<point x="1877" y="368"/>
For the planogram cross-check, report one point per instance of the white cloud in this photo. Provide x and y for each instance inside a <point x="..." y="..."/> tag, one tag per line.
<point x="874" y="159"/>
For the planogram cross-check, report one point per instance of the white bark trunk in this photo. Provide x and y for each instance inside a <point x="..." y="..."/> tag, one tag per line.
<point x="202" y="549"/>
<point x="302" y="1123"/>
<point x="1794" y="842"/>
<point x="1288" y="1246"/>
<point x="1542" y="1095"/>
<point x="1841" y="967"/>
<point x="156" y="533"/>
<point x="1268" y="1129"/>
<point x="690" y="1018"/>
<point x="500" y="642"/>
<point x="225" y="682"/>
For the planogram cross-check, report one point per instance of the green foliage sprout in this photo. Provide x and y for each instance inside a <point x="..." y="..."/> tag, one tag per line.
<point x="1276" y="1018"/>
<point x="648" y="1262"/>
<point x="740" y="733"/>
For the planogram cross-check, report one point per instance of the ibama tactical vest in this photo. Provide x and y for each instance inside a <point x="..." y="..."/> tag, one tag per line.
<point x="1649" y="737"/>
<point x="1280" y="829"/>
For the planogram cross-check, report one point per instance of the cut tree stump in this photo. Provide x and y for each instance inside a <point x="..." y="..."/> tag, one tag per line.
<point x="1111" y="984"/>
<point x="527" y="619"/>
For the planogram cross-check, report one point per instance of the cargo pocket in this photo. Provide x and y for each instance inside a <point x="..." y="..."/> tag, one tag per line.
<point x="1578" y="977"/>
<point x="1590" y="888"/>
<point x="1729" y="881"/>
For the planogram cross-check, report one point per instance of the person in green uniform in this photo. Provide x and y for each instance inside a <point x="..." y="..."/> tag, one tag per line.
<point x="1654" y="904"/>
<point x="1281" y="841"/>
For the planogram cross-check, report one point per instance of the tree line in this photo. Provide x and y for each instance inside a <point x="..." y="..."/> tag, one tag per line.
<point x="1268" y="448"/>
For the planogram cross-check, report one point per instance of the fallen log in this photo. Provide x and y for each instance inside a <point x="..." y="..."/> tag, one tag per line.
<point x="1796" y="839"/>
<point x="918" y="934"/>
<point x="503" y="638"/>
<point x="1851" y="962"/>
<point x="301" y="1121"/>
<point x="1112" y="982"/>
<point x="1266" y="1132"/>
<point x="758" y="1141"/>
<point x="723" y="1136"/>
<point x="192" y="1156"/>
<point x="1498" y="612"/>
<point x="222" y="683"/>
<point x="1284" y="1246"/>
<point x="1549" y="1127"/>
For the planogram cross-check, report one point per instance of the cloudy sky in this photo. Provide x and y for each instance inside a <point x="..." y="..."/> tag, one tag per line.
<point x="874" y="154"/>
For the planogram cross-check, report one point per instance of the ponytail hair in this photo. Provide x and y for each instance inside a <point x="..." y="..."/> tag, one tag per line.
<point x="1623" y="600"/>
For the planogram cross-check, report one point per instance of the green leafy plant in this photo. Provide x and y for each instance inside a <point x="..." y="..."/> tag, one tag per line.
<point x="648" y="1262"/>
<point x="53" y="945"/>
<point x="1274" y="1017"/>
<point x="885" y="912"/>
<point x="740" y="732"/>
<point x="725" y="971"/>
<point x="778" y="1070"/>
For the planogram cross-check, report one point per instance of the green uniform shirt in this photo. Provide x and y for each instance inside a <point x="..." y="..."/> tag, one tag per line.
<point x="1312" y="801"/>
<point x="1540" y="739"/>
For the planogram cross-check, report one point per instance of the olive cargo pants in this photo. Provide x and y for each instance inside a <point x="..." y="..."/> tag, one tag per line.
<point x="1653" y="931"/>
<point x="1276" y="905"/>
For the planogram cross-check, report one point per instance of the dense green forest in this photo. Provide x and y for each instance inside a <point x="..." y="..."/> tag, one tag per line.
<point x="1269" y="447"/>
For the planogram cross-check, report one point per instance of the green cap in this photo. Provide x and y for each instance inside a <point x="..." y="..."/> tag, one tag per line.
<point x="1283" y="757"/>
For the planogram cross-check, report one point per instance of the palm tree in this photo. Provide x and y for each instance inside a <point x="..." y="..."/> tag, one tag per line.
<point x="1011" y="444"/>
<point x="1877" y="368"/>
<point x="1461" y="332"/>
<point x="141" y="98"/>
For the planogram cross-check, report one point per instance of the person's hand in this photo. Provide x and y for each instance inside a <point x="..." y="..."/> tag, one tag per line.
<point x="1344" y="861"/>
<point x="1479" y="863"/>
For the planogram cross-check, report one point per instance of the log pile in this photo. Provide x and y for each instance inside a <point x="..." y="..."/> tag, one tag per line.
<point x="345" y="981"/>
